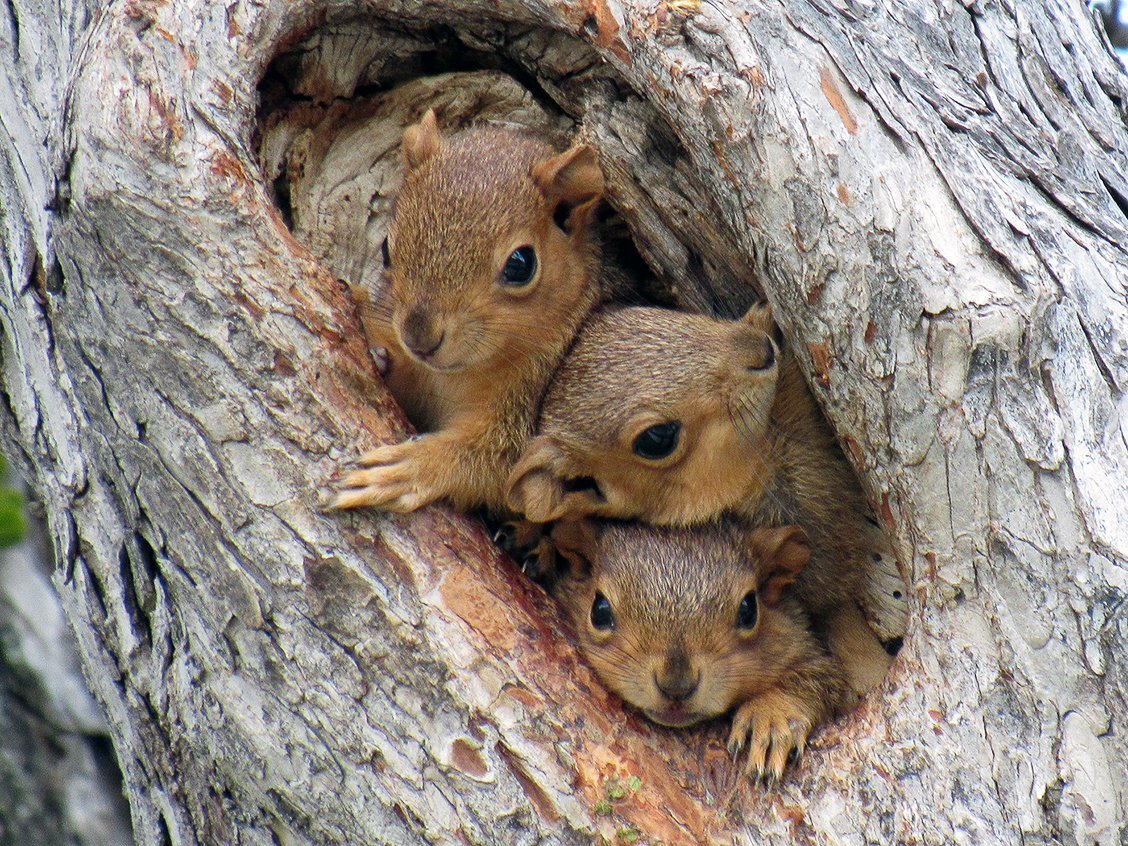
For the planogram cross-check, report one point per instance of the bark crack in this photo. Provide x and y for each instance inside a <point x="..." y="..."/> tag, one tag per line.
<point x="14" y="20"/>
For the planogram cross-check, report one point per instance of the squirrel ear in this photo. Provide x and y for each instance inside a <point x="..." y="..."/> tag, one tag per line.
<point x="760" y="316"/>
<point x="421" y="141"/>
<point x="541" y="489"/>
<point x="780" y="555"/>
<point x="573" y="184"/>
<point x="577" y="541"/>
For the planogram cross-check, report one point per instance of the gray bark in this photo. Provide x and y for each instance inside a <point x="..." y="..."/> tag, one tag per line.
<point x="934" y="197"/>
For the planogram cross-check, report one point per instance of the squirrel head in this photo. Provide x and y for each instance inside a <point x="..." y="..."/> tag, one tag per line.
<point x="654" y="415"/>
<point x="489" y="246"/>
<point x="683" y="623"/>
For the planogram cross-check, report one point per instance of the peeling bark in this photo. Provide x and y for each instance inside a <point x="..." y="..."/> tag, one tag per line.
<point x="933" y="197"/>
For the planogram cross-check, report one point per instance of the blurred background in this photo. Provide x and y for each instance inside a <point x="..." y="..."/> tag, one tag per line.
<point x="59" y="780"/>
<point x="1114" y="13"/>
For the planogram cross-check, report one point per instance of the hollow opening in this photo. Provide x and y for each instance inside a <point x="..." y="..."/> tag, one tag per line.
<point x="334" y="107"/>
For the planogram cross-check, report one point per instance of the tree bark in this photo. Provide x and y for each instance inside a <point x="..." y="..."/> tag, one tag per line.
<point x="933" y="196"/>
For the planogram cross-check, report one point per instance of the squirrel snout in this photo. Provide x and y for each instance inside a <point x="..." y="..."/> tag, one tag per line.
<point x="422" y="333"/>
<point x="677" y="688"/>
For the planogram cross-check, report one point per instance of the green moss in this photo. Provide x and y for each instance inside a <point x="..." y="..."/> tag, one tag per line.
<point x="615" y="790"/>
<point x="12" y="522"/>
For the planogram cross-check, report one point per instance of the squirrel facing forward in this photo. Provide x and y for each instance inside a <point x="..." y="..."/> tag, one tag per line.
<point x="677" y="419"/>
<point x="688" y="624"/>
<point x="490" y="267"/>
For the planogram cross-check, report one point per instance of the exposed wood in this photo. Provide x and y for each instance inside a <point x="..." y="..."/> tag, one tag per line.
<point x="933" y="196"/>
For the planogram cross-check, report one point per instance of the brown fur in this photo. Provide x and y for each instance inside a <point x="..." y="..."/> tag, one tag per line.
<point x="752" y="444"/>
<point x="675" y="595"/>
<point x="468" y="357"/>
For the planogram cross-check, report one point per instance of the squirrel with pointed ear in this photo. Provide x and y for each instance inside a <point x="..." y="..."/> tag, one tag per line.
<point x="688" y="624"/>
<point x="678" y="419"/>
<point x="491" y="265"/>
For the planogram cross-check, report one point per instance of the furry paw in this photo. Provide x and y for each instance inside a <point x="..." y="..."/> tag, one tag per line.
<point x="392" y="477"/>
<point x="528" y="544"/>
<point x="518" y="537"/>
<point x="774" y="728"/>
<point x="381" y="359"/>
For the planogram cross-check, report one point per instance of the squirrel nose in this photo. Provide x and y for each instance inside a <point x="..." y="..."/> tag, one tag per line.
<point x="421" y="332"/>
<point x="676" y="688"/>
<point x="675" y="680"/>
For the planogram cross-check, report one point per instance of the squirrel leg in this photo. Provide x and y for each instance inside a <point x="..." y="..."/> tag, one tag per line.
<point x="853" y="642"/>
<point x="772" y="726"/>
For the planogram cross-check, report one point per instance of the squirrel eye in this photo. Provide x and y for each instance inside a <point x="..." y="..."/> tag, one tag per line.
<point x="769" y="359"/>
<point x="601" y="616"/>
<point x="384" y="252"/>
<point x="747" y="613"/>
<point x="657" y="441"/>
<point x="519" y="267"/>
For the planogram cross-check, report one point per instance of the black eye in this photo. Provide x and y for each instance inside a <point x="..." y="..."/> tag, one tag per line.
<point x="601" y="616"/>
<point x="384" y="252"/>
<point x="657" y="441"/>
<point x="519" y="267"/>
<point x="746" y="614"/>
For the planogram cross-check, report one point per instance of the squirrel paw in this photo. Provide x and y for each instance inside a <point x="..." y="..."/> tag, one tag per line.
<point x="774" y="728"/>
<point x="391" y="479"/>
<point x="541" y="564"/>
<point x="528" y="544"/>
<point x="381" y="359"/>
<point x="518" y="536"/>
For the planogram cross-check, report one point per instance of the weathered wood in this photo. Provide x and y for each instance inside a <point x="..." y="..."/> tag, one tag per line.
<point x="932" y="195"/>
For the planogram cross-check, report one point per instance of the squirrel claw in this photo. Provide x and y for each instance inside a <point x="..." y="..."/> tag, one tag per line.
<point x="389" y="477"/>
<point x="328" y="501"/>
<point x="774" y="731"/>
<point x="381" y="359"/>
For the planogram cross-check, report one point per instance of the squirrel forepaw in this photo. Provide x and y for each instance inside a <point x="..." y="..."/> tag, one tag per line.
<point x="381" y="359"/>
<point x="390" y="478"/>
<point x="774" y="732"/>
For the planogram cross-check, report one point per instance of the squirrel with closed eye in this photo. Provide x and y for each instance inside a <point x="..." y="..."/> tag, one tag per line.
<point x="689" y="624"/>
<point x="678" y="419"/>
<point x="490" y="267"/>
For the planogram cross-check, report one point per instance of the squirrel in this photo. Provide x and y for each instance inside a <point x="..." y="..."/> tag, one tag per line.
<point x="688" y="624"/>
<point x="678" y="419"/>
<point x="490" y="267"/>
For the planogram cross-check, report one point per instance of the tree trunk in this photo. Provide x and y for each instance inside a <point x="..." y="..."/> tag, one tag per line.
<point x="933" y="196"/>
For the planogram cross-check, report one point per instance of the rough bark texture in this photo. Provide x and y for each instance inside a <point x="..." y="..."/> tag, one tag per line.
<point x="933" y="195"/>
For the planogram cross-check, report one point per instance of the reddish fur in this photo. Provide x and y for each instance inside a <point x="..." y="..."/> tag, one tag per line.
<point x="753" y="445"/>
<point x="675" y="594"/>
<point x="466" y="203"/>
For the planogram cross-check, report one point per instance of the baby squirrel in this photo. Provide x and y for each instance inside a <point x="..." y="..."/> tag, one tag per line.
<point x="687" y="624"/>
<point x="676" y="419"/>
<point x="490" y="267"/>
